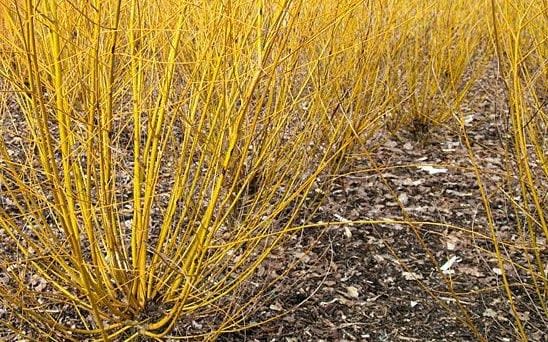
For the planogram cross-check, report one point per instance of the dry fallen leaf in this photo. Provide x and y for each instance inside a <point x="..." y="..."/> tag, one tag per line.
<point x="302" y="257"/>
<point x="471" y="270"/>
<point x="352" y="292"/>
<point x="451" y="245"/>
<point x="276" y="307"/>
<point x="489" y="313"/>
<point x="431" y="170"/>
<point x="446" y="268"/>
<point x="468" y="119"/>
<point x="347" y="232"/>
<point x="403" y="198"/>
<point x="341" y="219"/>
<point x="411" y="276"/>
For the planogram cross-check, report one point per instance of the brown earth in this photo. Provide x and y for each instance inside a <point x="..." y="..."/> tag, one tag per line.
<point x="379" y="282"/>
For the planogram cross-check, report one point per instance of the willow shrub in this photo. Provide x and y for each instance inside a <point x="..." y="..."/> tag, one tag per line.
<point x="154" y="154"/>
<point x="519" y="35"/>
<point x="437" y="52"/>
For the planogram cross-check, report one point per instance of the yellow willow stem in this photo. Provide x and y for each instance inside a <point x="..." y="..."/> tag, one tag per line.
<point x="151" y="152"/>
<point x="135" y="43"/>
<point x="260" y="34"/>
<point x="194" y="255"/>
<point x="38" y="119"/>
<point x="90" y="217"/>
<point x="69" y="169"/>
<point x="115" y="247"/>
<point x="526" y="180"/>
<point x="515" y="22"/>
<point x="181" y="177"/>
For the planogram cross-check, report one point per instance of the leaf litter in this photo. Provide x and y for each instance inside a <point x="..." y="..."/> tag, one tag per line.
<point x="375" y="274"/>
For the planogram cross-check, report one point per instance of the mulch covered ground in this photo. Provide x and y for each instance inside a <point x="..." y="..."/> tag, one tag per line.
<point x="379" y="282"/>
